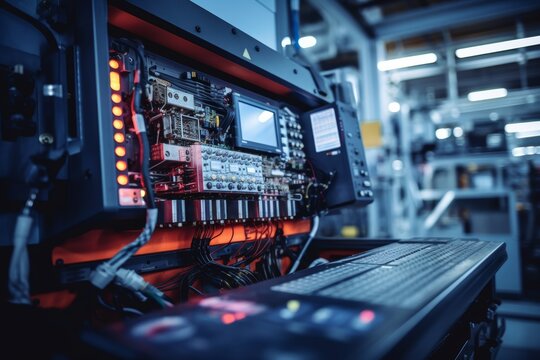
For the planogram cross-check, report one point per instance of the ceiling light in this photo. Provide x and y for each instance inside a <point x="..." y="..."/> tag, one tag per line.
<point x="443" y="133"/>
<point x="487" y="94"/>
<point x="304" y="42"/>
<point x="286" y="41"/>
<point x="496" y="47"/>
<point x="394" y="107"/>
<point x="307" y="41"/>
<point x="408" y="61"/>
<point x="458" y="132"/>
<point x="522" y="127"/>
<point x="527" y="134"/>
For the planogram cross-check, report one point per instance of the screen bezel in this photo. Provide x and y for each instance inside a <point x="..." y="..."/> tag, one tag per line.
<point x="251" y="145"/>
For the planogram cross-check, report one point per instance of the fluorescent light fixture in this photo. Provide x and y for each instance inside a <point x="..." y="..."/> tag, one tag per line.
<point x="487" y="94"/>
<point x="527" y="134"/>
<point x="522" y="127"/>
<point x="526" y="150"/>
<point x="496" y="47"/>
<point x="408" y="61"/>
<point x="458" y="132"/>
<point x="286" y="41"/>
<point x="304" y="42"/>
<point x="394" y="107"/>
<point x="518" y="151"/>
<point x="443" y="133"/>
<point x="307" y="41"/>
<point x="265" y="116"/>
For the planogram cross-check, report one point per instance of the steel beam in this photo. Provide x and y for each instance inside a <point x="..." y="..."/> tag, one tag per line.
<point x="439" y="17"/>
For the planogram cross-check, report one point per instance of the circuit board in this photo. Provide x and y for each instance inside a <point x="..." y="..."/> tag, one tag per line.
<point x="201" y="172"/>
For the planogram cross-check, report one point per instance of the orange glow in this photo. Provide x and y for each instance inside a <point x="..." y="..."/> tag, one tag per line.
<point x="228" y="318"/>
<point x="121" y="165"/>
<point x="117" y="110"/>
<point x="118" y="124"/>
<point x="122" y="179"/>
<point x="143" y="193"/>
<point x="114" y="64"/>
<point x="115" y="80"/>
<point x="119" y="137"/>
<point x="116" y="98"/>
<point x="120" y="151"/>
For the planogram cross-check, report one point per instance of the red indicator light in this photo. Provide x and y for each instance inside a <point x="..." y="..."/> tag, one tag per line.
<point x="228" y="318"/>
<point x="367" y="316"/>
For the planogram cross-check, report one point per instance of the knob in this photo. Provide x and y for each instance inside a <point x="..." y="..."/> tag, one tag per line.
<point x="250" y="187"/>
<point x="259" y="188"/>
<point x="239" y="187"/>
<point x="209" y="185"/>
<point x="219" y="185"/>
<point x="231" y="186"/>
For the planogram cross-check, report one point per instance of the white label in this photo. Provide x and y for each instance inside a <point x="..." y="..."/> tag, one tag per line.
<point x="325" y="130"/>
<point x="251" y="170"/>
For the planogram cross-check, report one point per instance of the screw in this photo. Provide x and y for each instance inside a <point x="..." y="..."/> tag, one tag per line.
<point x="295" y="71"/>
<point x="257" y="48"/>
<point x="233" y="30"/>
<point x="198" y="28"/>
<point x="46" y="139"/>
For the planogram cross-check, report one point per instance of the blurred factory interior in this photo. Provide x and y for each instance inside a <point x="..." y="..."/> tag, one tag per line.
<point x="447" y="97"/>
<point x="450" y="93"/>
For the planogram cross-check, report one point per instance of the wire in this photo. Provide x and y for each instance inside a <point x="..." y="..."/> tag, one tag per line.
<point x="19" y="267"/>
<point x="314" y="228"/>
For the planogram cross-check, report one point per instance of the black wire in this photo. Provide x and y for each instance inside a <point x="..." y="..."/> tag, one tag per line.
<point x="42" y="28"/>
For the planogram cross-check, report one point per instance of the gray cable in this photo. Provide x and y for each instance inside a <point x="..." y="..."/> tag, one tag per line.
<point x="19" y="267"/>
<point x="314" y="228"/>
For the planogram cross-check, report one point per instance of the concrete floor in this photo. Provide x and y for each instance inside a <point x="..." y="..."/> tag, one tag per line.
<point x="521" y="340"/>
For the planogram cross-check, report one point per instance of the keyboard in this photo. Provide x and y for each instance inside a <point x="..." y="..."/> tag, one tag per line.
<point x="395" y="301"/>
<point x="400" y="275"/>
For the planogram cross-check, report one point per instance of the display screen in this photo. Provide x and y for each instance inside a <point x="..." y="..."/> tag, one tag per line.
<point x="325" y="130"/>
<point x="258" y="127"/>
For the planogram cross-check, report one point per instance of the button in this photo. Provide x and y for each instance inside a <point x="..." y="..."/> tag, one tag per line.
<point x="367" y="183"/>
<point x="363" y="172"/>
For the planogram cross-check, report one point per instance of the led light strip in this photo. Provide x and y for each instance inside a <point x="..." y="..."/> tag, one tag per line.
<point x="119" y="136"/>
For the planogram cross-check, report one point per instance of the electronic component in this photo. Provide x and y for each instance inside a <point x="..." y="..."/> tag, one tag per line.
<point x="173" y="213"/>
<point x="334" y="148"/>
<point x="225" y="171"/>
<point x="257" y="126"/>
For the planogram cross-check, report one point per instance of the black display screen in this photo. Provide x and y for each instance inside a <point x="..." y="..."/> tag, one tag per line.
<point x="257" y="126"/>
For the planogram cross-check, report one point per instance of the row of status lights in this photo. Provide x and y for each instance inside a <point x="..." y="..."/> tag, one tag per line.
<point x="118" y="123"/>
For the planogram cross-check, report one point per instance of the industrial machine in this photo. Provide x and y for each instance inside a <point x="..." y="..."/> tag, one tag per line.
<point x="127" y="115"/>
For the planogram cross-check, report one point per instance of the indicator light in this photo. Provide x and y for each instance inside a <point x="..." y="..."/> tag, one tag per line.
<point x="117" y="110"/>
<point x="115" y="80"/>
<point x="121" y="165"/>
<point x="114" y="64"/>
<point x="120" y="151"/>
<point x="116" y="98"/>
<point x="122" y="179"/>
<point x="119" y="137"/>
<point x="118" y="124"/>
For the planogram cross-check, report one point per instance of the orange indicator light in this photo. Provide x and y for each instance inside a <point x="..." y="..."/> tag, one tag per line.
<point x="119" y="137"/>
<point x="117" y="110"/>
<point x="114" y="64"/>
<point x="116" y="98"/>
<point x="120" y="151"/>
<point x="122" y="179"/>
<point x="115" y="80"/>
<point x="118" y="124"/>
<point x="121" y="165"/>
